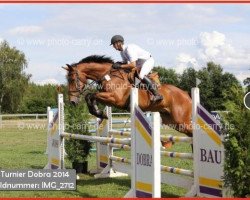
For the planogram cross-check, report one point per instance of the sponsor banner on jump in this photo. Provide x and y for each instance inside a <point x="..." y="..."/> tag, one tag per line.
<point x="211" y="154"/>
<point x="143" y="155"/>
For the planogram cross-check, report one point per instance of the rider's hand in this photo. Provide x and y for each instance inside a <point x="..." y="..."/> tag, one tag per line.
<point x="116" y="66"/>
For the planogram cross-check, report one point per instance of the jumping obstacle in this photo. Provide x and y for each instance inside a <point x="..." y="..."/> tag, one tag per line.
<point x="144" y="144"/>
<point x="204" y="180"/>
<point x="51" y="112"/>
<point x="206" y="177"/>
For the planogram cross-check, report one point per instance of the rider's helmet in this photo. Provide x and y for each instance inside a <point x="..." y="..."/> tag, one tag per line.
<point x="116" y="38"/>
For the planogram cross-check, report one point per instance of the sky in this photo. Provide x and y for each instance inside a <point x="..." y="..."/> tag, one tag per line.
<point x="177" y="35"/>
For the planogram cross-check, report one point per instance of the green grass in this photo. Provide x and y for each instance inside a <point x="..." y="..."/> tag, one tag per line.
<point x="25" y="148"/>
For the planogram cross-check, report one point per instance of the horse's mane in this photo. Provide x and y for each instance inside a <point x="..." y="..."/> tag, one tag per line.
<point x="96" y="59"/>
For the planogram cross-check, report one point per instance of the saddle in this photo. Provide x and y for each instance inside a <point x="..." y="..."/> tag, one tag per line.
<point x="134" y="73"/>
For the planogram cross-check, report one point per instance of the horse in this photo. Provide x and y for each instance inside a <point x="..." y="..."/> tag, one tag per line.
<point x="114" y="90"/>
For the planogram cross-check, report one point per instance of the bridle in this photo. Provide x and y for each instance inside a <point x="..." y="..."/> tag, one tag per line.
<point x="78" y="81"/>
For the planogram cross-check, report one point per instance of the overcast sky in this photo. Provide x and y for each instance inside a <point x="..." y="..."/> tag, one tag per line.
<point x="177" y="36"/>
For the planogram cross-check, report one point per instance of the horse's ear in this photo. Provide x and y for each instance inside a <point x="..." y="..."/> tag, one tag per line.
<point x="66" y="68"/>
<point x="69" y="66"/>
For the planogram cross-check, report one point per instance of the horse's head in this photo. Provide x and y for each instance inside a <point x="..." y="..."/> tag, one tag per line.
<point x="92" y="67"/>
<point x="76" y="83"/>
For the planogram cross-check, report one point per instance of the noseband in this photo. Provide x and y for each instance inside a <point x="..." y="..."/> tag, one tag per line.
<point x="78" y="86"/>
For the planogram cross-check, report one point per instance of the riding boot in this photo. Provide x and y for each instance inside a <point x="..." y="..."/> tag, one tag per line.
<point x="152" y="88"/>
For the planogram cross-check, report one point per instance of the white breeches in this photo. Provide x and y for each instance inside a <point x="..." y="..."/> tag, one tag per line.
<point x="147" y="66"/>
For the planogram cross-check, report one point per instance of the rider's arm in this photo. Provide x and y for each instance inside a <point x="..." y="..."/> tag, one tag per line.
<point x="130" y="65"/>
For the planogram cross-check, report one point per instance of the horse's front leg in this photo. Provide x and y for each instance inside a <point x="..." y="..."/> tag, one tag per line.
<point x="90" y="104"/>
<point x="106" y="98"/>
<point x="92" y="99"/>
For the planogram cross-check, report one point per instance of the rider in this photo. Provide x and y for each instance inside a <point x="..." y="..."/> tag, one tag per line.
<point x="134" y="56"/>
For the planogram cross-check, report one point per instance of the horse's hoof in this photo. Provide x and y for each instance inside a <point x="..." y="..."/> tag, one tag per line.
<point x="100" y="120"/>
<point x="104" y="116"/>
<point x="167" y="144"/>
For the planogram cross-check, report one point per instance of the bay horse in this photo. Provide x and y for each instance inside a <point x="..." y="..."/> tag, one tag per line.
<point x="114" y="90"/>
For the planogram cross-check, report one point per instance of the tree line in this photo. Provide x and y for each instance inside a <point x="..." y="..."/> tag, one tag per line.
<point x="19" y="95"/>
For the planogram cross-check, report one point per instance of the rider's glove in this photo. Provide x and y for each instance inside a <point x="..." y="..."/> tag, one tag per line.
<point x="116" y="66"/>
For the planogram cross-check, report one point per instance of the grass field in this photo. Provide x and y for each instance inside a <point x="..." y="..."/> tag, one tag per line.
<point x="23" y="147"/>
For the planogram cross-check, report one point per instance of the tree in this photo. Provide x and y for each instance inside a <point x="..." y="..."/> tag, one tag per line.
<point x="188" y="79"/>
<point x="37" y="98"/>
<point x="214" y="84"/>
<point x="168" y="76"/>
<point x="237" y="143"/>
<point x="246" y="82"/>
<point x="77" y="119"/>
<point x="13" y="79"/>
